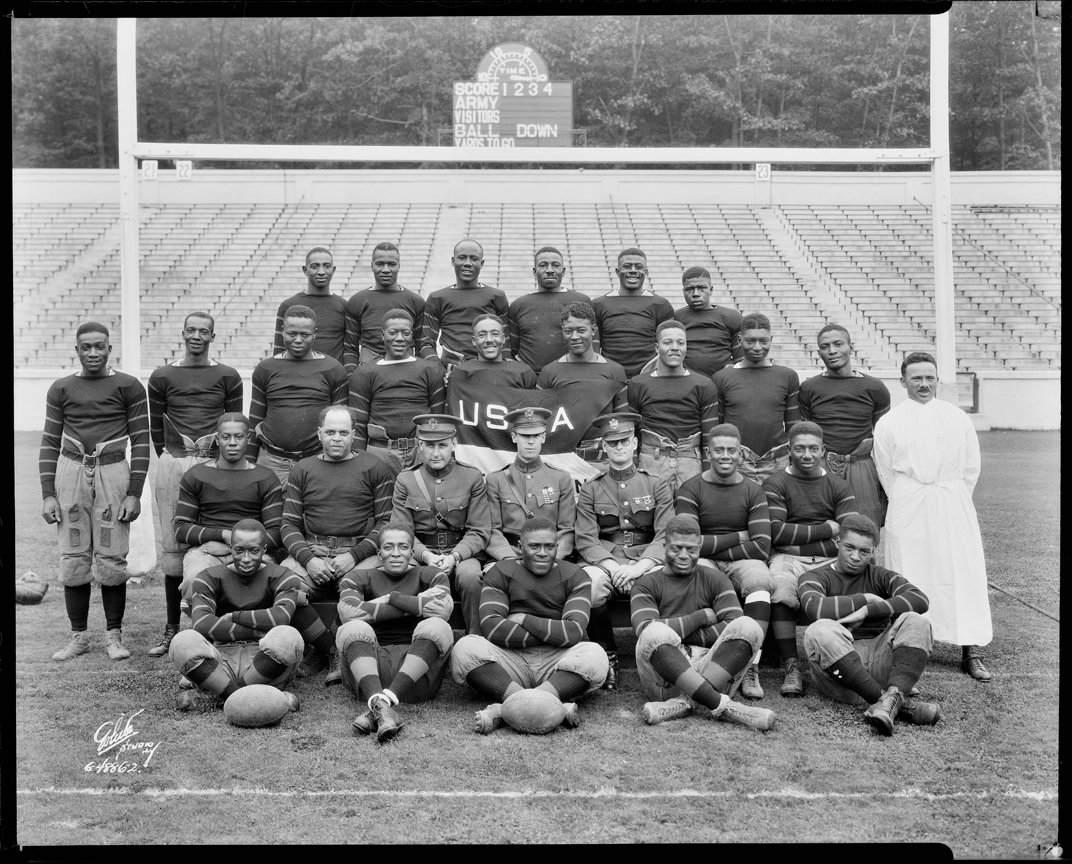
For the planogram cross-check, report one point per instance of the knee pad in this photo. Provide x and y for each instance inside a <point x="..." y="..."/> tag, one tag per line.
<point x="112" y="571"/>
<point x="437" y="631"/>
<point x="601" y="585"/>
<point x="284" y="644"/>
<point x="589" y="661"/>
<point x="189" y="648"/>
<point x="655" y="635"/>
<point x="171" y="563"/>
<point x="744" y="628"/>
<point x="354" y="631"/>
<point x="819" y="632"/>
<point x="785" y="590"/>
<point x="76" y="570"/>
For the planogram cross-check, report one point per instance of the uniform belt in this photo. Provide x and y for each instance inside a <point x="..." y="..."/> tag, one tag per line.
<point x="333" y="541"/>
<point x="652" y="450"/>
<point x="292" y="455"/>
<point x="90" y="459"/>
<point x="440" y="539"/>
<point x="631" y="538"/>
<point x="393" y="443"/>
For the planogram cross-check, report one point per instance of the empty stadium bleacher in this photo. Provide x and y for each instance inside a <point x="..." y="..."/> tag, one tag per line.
<point x="868" y="266"/>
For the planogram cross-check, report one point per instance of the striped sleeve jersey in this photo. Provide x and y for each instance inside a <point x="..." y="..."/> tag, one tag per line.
<point x="723" y="511"/>
<point x="395" y="620"/>
<point x="829" y="593"/>
<point x="192" y="398"/>
<point x="681" y="602"/>
<point x="555" y="607"/>
<point x="211" y="501"/>
<point x="799" y="507"/>
<point x="226" y="608"/>
<point x="288" y="396"/>
<point x="92" y="411"/>
<point x="365" y="311"/>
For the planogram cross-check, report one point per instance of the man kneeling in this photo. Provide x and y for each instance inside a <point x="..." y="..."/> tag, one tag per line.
<point x="693" y="642"/>
<point x="870" y="641"/>
<point x="394" y="628"/>
<point x="533" y="617"/>
<point x="241" y="613"/>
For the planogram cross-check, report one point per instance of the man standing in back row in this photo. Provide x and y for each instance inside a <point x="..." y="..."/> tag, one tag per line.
<point x="330" y="309"/>
<point x="450" y="312"/>
<point x="535" y="319"/>
<point x="365" y="310"/>
<point x="847" y="405"/>
<point x="186" y="398"/>
<point x="628" y="316"/>
<point x="714" y="332"/>
<point x="927" y="455"/>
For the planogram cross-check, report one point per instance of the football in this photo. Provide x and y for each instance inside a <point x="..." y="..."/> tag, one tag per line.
<point x="258" y="705"/>
<point x="533" y="712"/>
<point x="29" y="589"/>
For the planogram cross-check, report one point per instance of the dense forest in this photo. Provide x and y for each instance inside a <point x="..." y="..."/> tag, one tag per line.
<point x="642" y="81"/>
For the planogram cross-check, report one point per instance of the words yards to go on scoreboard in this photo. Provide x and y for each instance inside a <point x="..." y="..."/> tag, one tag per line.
<point x="513" y="113"/>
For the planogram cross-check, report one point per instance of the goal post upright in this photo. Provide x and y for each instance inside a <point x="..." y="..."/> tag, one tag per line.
<point x="936" y="156"/>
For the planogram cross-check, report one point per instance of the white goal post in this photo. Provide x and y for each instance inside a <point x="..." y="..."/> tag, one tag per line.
<point x="937" y="155"/>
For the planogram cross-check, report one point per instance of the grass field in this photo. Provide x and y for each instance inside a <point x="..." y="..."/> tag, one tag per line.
<point x="984" y="781"/>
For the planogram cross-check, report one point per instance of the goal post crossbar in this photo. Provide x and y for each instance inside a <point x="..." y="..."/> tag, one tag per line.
<point x="936" y="155"/>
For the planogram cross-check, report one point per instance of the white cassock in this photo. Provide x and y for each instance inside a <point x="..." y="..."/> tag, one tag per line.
<point x="927" y="456"/>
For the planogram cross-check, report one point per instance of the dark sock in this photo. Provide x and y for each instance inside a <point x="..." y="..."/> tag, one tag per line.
<point x="567" y="686"/>
<point x="77" y="602"/>
<point x="114" y="600"/>
<point x="759" y="611"/>
<point x="850" y="672"/>
<point x="674" y="668"/>
<point x="173" y="598"/>
<point x="419" y="659"/>
<point x="492" y="680"/>
<point x="212" y="677"/>
<point x="730" y="659"/>
<point x="908" y="665"/>
<point x="600" y="629"/>
<point x="264" y="669"/>
<point x="783" y="624"/>
<point x="308" y="623"/>
<point x="361" y="660"/>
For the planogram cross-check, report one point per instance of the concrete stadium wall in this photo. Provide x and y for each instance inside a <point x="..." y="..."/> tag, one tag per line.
<point x="496" y="186"/>
<point x="1007" y="400"/>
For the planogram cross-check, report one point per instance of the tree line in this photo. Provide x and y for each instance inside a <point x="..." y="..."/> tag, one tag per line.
<point x="853" y="80"/>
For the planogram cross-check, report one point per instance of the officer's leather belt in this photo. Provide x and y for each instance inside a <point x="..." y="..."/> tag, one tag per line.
<point x="393" y="443"/>
<point x="631" y="538"/>
<point x="292" y="455"/>
<point x="440" y="539"/>
<point x="90" y="459"/>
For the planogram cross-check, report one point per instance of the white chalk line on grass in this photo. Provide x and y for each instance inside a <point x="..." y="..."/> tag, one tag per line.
<point x="605" y="792"/>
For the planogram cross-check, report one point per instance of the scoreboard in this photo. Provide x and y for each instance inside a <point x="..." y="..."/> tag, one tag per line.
<point x="512" y="103"/>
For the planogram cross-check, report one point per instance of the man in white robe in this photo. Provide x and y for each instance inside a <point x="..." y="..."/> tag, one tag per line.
<point x="927" y="456"/>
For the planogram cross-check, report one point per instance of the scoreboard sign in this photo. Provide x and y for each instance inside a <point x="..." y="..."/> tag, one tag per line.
<point x="512" y="104"/>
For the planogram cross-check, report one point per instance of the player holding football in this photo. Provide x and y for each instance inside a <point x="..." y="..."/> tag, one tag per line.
<point x="807" y="504"/>
<point x="527" y="488"/>
<point x="336" y="504"/>
<point x="386" y="393"/>
<point x="366" y="309"/>
<point x="581" y="365"/>
<point x="693" y="642"/>
<point x="185" y="398"/>
<point x="760" y="399"/>
<point x="535" y="319"/>
<point x="679" y="408"/>
<point x="89" y="491"/>
<point x="449" y="312"/>
<point x="621" y="516"/>
<point x="329" y="309"/>
<point x="394" y="629"/>
<point x="241" y="613"/>
<point x="533" y="617"/>
<point x="870" y="640"/>
<point x="847" y="404"/>
<point x="289" y="392"/>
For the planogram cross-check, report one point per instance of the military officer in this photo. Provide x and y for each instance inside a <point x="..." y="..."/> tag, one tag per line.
<point x="453" y="523"/>
<point x="621" y="519"/>
<point x="528" y="488"/>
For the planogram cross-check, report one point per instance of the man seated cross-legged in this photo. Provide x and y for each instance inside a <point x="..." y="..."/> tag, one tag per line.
<point x="241" y="613"/>
<point x="870" y="640"/>
<point x="394" y="629"/>
<point x="533" y="617"/>
<point x="693" y="641"/>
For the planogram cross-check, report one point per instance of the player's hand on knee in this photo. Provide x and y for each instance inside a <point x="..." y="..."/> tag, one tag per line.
<point x="344" y="563"/>
<point x="319" y="571"/>
<point x="129" y="510"/>
<point x="216" y="548"/>
<point x="50" y="510"/>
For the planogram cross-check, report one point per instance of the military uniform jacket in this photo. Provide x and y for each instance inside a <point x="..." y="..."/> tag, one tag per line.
<point x="461" y="501"/>
<point x="547" y="492"/>
<point x="603" y="504"/>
